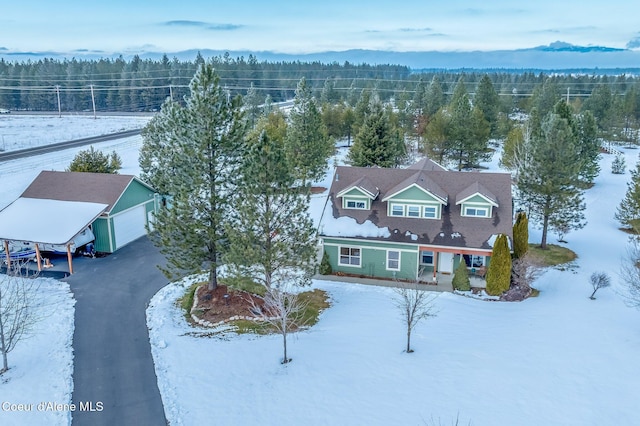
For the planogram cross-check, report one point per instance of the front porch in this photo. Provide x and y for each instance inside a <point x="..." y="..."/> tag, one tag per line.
<point x="446" y="279"/>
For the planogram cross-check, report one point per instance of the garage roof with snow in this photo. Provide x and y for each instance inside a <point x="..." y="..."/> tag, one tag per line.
<point x="32" y="219"/>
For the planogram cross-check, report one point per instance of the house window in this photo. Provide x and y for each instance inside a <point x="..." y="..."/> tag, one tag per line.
<point x="355" y="204"/>
<point x="474" y="261"/>
<point x="413" y="211"/>
<point x="397" y="210"/>
<point x="430" y="212"/>
<point x="476" y="211"/>
<point x="349" y="256"/>
<point x="426" y="257"/>
<point x="393" y="260"/>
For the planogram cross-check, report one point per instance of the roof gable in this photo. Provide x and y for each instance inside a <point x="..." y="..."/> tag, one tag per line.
<point x="421" y="181"/>
<point x="476" y="189"/>
<point x="364" y="186"/>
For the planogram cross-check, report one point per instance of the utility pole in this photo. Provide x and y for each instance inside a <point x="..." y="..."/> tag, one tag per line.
<point x="171" y="93"/>
<point x="58" y="93"/>
<point x="568" y="96"/>
<point x="93" y="101"/>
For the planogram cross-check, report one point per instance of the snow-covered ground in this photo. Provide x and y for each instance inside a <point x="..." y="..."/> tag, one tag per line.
<point x="558" y="359"/>
<point x="27" y="131"/>
<point x="41" y="367"/>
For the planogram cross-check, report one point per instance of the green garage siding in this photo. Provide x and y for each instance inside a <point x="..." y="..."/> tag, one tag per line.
<point x="104" y="240"/>
<point x="135" y="194"/>
<point x="373" y="259"/>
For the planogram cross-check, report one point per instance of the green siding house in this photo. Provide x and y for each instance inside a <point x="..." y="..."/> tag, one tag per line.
<point x="131" y="203"/>
<point x="417" y="223"/>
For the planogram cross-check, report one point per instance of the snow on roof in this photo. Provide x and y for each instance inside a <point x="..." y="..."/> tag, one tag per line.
<point x="46" y="221"/>
<point x="346" y="226"/>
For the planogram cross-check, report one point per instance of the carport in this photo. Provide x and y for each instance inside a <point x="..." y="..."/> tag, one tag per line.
<point x="43" y="221"/>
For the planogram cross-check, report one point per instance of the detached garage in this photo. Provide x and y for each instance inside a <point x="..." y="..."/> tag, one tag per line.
<point x="130" y="203"/>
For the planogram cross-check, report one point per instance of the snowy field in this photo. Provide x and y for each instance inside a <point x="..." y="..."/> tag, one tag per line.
<point x="558" y="359"/>
<point x="26" y="131"/>
<point x="41" y="367"/>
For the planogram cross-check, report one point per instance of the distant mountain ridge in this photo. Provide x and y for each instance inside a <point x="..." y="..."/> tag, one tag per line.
<point x="555" y="56"/>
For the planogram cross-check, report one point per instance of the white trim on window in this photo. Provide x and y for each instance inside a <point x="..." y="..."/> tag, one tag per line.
<point x="430" y="212"/>
<point x="476" y="211"/>
<point x="355" y="203"/>
<point x="393" y="260"/>
<point x="350" y="256"/>
<point x="397" y="209"/>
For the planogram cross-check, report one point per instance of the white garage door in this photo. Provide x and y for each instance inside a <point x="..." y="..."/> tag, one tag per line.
<point x="129" y="225"/>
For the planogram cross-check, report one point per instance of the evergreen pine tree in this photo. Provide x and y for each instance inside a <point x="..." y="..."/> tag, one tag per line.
<point x="94" y="161"/>
<point x="520" y="235"/>
<point x="468" y="131"/>
<point x="461" y="280"/>
<point x="307" y="145"/>
<point x="488" y="101"/>
<point x="435" y="98"/>
<point x="548" y="182"/>
<point x="628" y="212"/>
<point x="191" y="155"/>
<point x="618" y="166"/>
<point x="499" y="272"/>
<point x="271" y="235"/>
<point x="377" y="143"/>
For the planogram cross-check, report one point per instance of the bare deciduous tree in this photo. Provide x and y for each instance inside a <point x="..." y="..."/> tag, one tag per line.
<point x="599" y="280"/>
<point x="283" y="310"/>
<point x="415" y="305"/>
<point x="18" y="310"/>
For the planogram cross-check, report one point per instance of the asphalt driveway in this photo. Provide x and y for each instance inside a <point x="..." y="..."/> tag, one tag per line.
<point x="112" y="355"/>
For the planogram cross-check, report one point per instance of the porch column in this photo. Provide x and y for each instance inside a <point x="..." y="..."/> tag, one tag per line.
<point x="38" y="258"/>
<point x="435" y="266"/>
<point x="69" y="257"/>
<point x="6" y="252"/>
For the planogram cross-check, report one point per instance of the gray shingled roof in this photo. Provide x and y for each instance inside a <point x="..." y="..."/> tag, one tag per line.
<point x="426" y="164"/>
<point x="364" y="184"/>
<point x="475" y="188"/>
<point x="453" y="229"/>
<point x="104" y="188"/>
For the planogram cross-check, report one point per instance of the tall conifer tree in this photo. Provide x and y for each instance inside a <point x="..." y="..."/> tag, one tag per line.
<point x="191" y="155"/>
<point x="271" y="236"/>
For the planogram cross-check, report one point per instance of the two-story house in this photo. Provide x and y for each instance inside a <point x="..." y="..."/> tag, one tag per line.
<point x="414" y="223"/>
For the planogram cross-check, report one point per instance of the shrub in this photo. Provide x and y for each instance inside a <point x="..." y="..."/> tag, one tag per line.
<point x="499" y="271"/>
<point x="520" y="235"/>
<point x="461" y="280"/>
<point x="325" y="266"/>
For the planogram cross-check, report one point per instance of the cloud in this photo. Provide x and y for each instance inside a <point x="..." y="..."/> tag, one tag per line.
<point x="634" y="43"/>
<point x="200" y="24"/>
<point x="565" y="30"/>
<point x="426" y="31"/>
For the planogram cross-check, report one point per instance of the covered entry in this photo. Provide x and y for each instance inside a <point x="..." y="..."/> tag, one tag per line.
<point x="41" y="221"/>
<point x="445" y="260"/>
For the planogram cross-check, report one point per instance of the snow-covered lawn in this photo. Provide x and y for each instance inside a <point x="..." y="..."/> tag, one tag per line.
<point x="558" y="359"/>
<point x="41" y="366"/>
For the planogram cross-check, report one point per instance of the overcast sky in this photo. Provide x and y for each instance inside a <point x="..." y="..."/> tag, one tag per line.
<point x="304" y="26"/>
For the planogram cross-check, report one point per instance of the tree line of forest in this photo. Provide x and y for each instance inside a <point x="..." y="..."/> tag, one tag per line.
<point x="119" y="85"/>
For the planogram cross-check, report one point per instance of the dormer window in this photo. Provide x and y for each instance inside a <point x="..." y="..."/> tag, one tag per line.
<point x="475" y="211"/>
<point x="355" y="204"/>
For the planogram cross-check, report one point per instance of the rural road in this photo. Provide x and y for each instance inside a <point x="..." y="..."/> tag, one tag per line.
<point x="29" y="152"/>
<point x="112" y="354"/>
